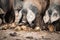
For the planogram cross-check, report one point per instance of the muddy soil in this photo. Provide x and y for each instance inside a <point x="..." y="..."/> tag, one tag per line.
<point x="28" y="35"/>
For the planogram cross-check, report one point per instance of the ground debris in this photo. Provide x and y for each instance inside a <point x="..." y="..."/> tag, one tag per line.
<point x="29" y="37"/>
<point x="13" y="34"/>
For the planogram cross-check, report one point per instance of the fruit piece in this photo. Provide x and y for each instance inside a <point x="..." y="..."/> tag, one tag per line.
<point x="51" y="28"/>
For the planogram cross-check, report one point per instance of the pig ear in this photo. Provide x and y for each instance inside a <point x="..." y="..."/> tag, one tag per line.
<point x="30" y="16"/>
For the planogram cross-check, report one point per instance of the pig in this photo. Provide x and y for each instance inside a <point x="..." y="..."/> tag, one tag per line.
<point x="3" y="7"/>
<point x="32" y="12"/>
<point x="17" y="5"/>
<point x="52" y="16"/>
<point x="7" y="6"/>
<point x="10" y="15"/>
<point x="4" y="4"/>
<point x="1" y="15"/>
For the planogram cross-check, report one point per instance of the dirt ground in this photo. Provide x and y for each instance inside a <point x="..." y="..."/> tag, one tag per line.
<point x="28" y="35"/>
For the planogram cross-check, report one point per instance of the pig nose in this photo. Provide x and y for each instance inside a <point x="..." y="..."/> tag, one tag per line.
<point x="23" y="21"/>
<point x="49" y="20"/>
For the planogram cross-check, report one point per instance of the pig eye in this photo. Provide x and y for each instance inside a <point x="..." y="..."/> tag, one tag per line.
<point x="55" y="14"/>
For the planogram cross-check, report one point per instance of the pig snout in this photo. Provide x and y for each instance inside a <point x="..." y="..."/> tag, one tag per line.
<point x="24" y="21"/>
<point x="18" y="16"/>
<point x="24" y="12"/>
